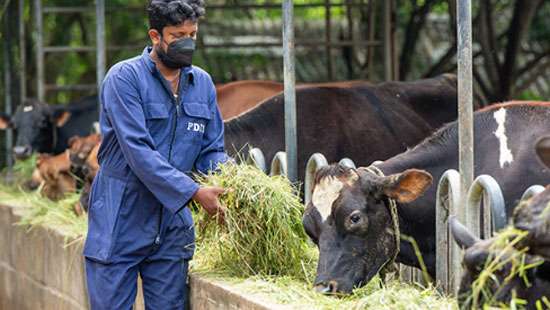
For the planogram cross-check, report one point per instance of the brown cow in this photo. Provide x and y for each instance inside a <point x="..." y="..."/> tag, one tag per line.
<point x="79" y="150"/>
<point x="236" y="98"/>
<point x="55" y="172"/>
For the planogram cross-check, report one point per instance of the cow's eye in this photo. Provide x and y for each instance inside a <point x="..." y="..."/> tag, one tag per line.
<point x="355" y="218"/>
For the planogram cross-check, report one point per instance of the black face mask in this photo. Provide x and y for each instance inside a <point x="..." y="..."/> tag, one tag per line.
<point x="179" y="53"/>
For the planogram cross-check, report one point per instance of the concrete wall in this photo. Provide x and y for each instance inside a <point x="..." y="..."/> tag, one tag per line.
<point x="37" y="272"/>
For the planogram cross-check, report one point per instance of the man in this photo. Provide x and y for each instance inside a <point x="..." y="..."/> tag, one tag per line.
<point x="159" y="120"/>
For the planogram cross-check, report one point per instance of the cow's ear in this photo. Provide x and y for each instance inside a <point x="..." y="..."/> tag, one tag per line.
<point x="543" y="150"/>
<point x="407" y="186"/>
<point x="5" y="122"/>
<point x="311" y="220"/>
<point x="60" y="117"/>
<point x="72" y="140"/>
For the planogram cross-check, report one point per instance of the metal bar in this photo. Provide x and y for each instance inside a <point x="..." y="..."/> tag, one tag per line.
<point x="278" y="6"/>
<point x="22" y="58"/>
<point x="487" y="189"/>
<point x="69" y="49"/>
<point x="100" y="43"/>
<point x="328" y="32"/>
<point x="76" y="87"/>
<point x="41" y="92"/>
<point x="67" y="9"/>
<point x="109" y="9"/>
<point x="256" y="158"/>
<point x="371" y="11"/>
<point x="387" y="42"/>
<point x="65" y="49"/>
<point x="298" y="43"/>
<point x="393" y="42"/>
<point x="315" y="162"/>
<point x="349" y="17"/>
<point x="278" y="164"/>
<point x="531" y="192"/>
<point x="465" y="109"/>
<point x="447" y="263"/>
<point x="290" y="90"/>
<point x="7" y="92"/>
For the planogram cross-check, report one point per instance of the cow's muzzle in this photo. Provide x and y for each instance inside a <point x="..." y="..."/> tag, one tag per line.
<point x="22" y="152"/>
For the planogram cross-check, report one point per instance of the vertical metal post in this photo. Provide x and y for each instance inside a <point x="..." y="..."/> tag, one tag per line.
<point x="388" y="54"/>
<point x="100" y="42"/>
<point x="371" y="37"/>
<point x="22" y="58"/>
<point x="7" y="90"/>
<point x="289" y="90"/>
<point x="40" y="87"/>
<point x="328" y="49"/>
<point x="465" y="108"/>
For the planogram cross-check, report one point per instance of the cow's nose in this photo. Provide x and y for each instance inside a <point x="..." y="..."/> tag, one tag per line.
<point x="324" y="288"/>
<point x="22" y="152"/>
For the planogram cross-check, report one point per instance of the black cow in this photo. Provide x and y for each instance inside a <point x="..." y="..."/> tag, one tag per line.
<point x="350" y="219"/>
<point x="505" y="281"/>
<point x="362" y="122"/>
<point x="44" y="128"/>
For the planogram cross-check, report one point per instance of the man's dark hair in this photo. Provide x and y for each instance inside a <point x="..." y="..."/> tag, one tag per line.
<point x="164" y="13"/>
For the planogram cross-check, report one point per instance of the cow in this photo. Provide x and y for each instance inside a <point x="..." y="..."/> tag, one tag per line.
<point x="79" y="151"/>
<point x="44" y="128"/>
<point x="505" y="280"/>
<point x="239" y="97"/>
<point x="55" y="172"/>
<point x="362" y="122"/>
<point x="354" y="212"/>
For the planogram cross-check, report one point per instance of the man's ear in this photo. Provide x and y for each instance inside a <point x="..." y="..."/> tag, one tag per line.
<point x="407" y="186"/>
<point x="5" y="122"/>
<point x="60" y="117"/>
<point x="155" y="36"/>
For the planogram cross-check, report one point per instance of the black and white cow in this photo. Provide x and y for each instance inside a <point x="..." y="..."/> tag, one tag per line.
<point x="45" y="128"/>
<point x="350" y="218"/>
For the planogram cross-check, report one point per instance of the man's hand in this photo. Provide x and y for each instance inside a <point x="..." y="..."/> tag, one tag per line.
<point x="207" y="197"/>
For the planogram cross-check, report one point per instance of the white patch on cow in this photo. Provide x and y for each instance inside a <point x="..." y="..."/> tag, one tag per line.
<point x="324" y="194"/>
<point x="97" y="129"/>
<point x="506" y="156"/>
<point x="28" y="108"/>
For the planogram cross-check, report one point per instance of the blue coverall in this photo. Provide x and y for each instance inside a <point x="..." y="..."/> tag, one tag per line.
<point x="138" y="219"/>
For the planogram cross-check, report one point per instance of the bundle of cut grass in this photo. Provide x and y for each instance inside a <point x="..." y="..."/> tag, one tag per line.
<point x="295" y="294"/>
<point x="262" y="233"/>
<point x="505" y="263"/>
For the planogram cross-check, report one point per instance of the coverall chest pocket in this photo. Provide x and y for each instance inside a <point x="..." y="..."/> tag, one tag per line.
<point x="195" y="119"/>
<point x="157" y="119"/>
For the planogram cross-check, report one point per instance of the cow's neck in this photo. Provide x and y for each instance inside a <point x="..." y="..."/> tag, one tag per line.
<point x="417" y="219"/>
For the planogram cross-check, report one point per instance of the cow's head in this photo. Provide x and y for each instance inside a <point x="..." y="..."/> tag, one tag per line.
<point x="79" y="150"/>
<point x="349" y="219"/>
<point x="55" y="172"/>
<point x="34" y="123"/>
<point x="492" y="271"/>
<point x="533" y="216"/>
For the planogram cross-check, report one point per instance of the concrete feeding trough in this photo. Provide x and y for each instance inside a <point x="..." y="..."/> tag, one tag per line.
<point x="38" y="272"/>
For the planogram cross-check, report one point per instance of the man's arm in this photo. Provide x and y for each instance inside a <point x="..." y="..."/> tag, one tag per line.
<point x="122" y="102"/>
<point x="212" y="151"/>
